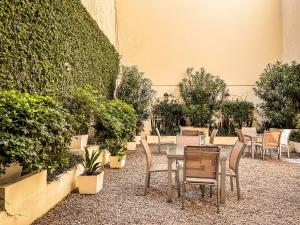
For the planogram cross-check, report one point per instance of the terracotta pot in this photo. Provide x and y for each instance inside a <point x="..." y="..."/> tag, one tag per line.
<point x="114" y="163"/>
<point x="90" y="184"/>
<point x="79" y="142"/>
<point x="12" y="173"/>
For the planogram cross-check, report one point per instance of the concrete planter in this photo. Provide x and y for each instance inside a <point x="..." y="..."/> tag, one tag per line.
<point x="131" y="146"/>
<point x="79" y="142"/>
<point x="296" y="146"/>
<point x="90" y="184"/>
<point x="12" y="173"/>
<point x="114" y="163"/>
<point x="31" y="196"/>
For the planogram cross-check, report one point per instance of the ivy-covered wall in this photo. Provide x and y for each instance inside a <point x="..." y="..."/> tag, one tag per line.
<point x="46" y="45"/>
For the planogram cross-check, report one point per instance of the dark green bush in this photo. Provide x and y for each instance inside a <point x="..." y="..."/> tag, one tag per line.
<point x="235" y="114"/>
<point x="203" y="94"/>
<point x="167" y="117"/>
<point x="279" y="88"/>
<point x="136" y="91"/>
<point x="47" y="45"/>
<point x="116" y="119"/>
<point x="34" y="130"/>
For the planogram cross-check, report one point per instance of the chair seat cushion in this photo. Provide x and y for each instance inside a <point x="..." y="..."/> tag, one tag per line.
<point x="201" y="180"/>
<point x="162" y="167"/>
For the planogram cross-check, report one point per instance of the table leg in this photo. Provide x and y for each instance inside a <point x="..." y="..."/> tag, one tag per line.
<point x="169" y="180"/>
<point x="223" y="178"/>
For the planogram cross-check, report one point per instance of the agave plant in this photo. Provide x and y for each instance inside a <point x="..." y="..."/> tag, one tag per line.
<point x="91" y="166"/>
<point x="116" y="147"/>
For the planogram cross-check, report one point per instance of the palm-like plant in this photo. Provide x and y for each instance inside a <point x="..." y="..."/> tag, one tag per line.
<point x="91" y="166"/>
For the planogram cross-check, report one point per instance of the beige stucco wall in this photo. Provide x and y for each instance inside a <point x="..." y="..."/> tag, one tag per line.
<point x="291" y="30"/>
<point x="234" y="39"/>
<point x="104" y="13"/>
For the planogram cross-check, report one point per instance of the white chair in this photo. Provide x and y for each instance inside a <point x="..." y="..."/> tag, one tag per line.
<point x="284" y="141"/>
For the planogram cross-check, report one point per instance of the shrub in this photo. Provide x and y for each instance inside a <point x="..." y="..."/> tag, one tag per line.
<point x="203" y="94"/>
<point x="116" y="119"/>
<point x="166" y="116"/>
<point x="136" y="91"/>
<point x="279" y="88"/>
<point x="235" y="114"/>
<point x="82" y="103"/>
<point x="34" y="130"/>
<point x="46" y="46"/>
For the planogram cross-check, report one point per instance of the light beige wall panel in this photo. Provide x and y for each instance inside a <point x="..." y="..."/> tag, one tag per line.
<point x="291" y="30"/>
<point x="104" y="13"/>
<point x="234" y="39"/>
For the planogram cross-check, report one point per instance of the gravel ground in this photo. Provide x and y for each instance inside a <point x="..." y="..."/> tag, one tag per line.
<point x="270" y="195"/>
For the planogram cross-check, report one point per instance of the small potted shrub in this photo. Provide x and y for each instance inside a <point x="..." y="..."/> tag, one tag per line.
<point x="117" y="153"/>
<point x="91" y="181"/>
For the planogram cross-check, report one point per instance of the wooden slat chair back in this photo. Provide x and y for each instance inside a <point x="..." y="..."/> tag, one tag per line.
<point x="201" y="166"/>
<point x="212" y="136"/>
<point x="182" y="140"/>
<point x="271" y="139"/>
<point x="240" y="135"/>
<point x="190" y="133"/>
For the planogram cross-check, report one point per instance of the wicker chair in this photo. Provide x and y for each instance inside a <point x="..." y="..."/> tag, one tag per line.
<point x="154" y="168"/>
<point x="201" y="166"/>
<point x="234" y="161"/>
<point x="271" y="141"/>
<point x="160" y="142"/>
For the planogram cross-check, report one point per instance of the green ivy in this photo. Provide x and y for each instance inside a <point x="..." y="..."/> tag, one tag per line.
<point x="45" y="46"/>
<point x="34" y="130"/>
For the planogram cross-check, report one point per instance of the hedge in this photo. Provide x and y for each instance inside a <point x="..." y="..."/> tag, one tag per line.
<point x="39" y="40"/>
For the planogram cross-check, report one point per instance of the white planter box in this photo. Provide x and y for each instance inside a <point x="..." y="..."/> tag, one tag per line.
<point x="90" y="184"/>
<point x="131" y="146"/>
<point x="12" y="173"/>
<point x="296" y="146"/>
<point x="79" y="142"/>
<point x="114" y="163"/>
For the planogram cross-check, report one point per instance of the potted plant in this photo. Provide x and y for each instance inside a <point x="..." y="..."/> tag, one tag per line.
<point x="131" y="144"/>
<point x="117" y="153"/>
<point x="91" y="181"/>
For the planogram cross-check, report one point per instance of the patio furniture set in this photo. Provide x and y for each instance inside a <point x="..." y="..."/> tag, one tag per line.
<point x="205" y="164"/>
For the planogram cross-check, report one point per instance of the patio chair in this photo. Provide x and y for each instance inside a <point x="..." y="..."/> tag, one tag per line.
<point x="284" y="141"/>
<point x="212" y="136"/>
<point x="271" y="141"/>
<point x="249" y="131"/>
<point x="234" y="161"/>
<point x="160" y="142"/>
<point x="241" y="138"/>
<point x="182" y="140"/>
<point x="154" y="168"/>
<point x="201" y="166"/>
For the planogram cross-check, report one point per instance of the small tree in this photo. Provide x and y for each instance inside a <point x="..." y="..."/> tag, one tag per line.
<point x="279" y="88"/>
<point x="203" y="94"/>
<point x="136" y="91"/>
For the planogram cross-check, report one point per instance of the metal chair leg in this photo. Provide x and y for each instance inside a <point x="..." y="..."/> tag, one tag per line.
<point x="182" y="195"/>
<point x="146" y="183"/>
<point x="218" y="199"/>
<point x="238" y="187"/>
<point x="210" y="191"/>
<point x="231" y="182"/>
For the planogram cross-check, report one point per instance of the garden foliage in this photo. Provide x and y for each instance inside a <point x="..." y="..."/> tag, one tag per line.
<point x="136" y="91"/>
<point x="203" y="94"/>
<point x="35" y="131"/>
<point x="167" y="117"/>
<point x="116" y="119"/>
<point x="279" y="89"/>
<point x="48" y="46"/>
